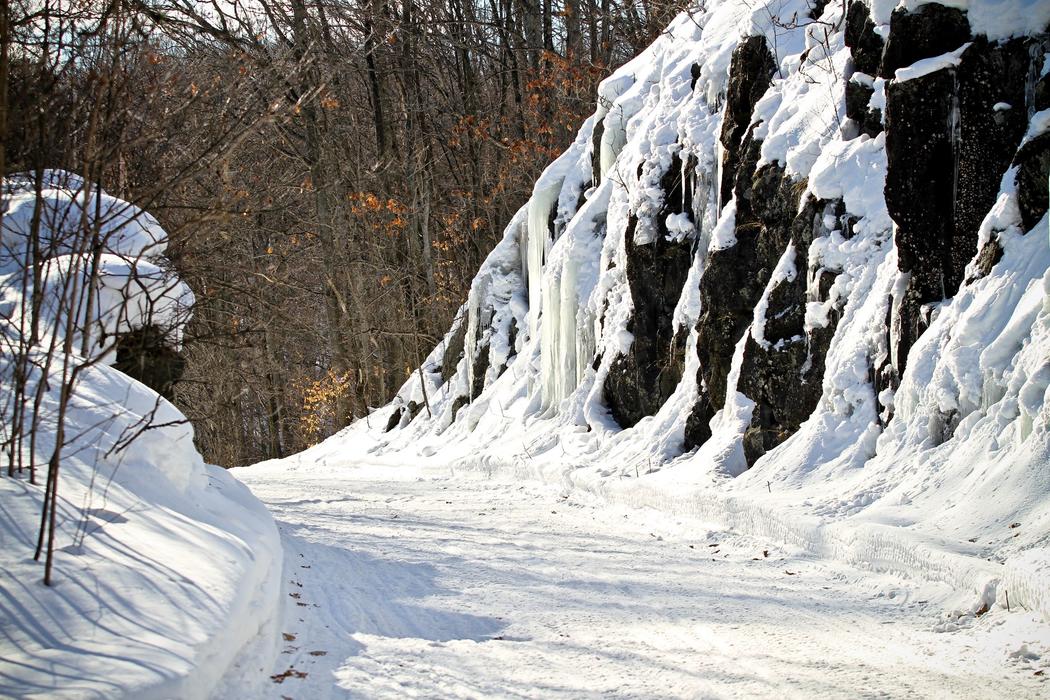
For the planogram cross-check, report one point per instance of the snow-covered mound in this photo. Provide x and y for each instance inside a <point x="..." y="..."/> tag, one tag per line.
<point x="68" y="223"/>
<point x="793" y="273"/>
<point x="167" y="571"/>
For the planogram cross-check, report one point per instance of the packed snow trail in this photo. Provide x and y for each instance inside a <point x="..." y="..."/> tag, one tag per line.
<point x="410" y="582"/>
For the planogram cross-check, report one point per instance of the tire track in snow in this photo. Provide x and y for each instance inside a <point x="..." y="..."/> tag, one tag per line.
<point x="403" y="582"/>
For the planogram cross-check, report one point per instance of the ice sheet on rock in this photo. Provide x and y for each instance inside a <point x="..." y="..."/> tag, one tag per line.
<point x="567" y="335"/>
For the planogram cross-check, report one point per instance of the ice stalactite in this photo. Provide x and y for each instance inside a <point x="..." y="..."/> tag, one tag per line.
<point x="540" y="240"/>
<point x="567" y="336"/>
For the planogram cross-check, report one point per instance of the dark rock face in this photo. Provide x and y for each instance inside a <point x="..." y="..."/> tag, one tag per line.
<point x="930" y="31"/>
<point x="479" y="369"/>
<point x="698" y="423"/>
<point x="145" y="354"/>
<point x="453" y="351"/>
<point x="512" y="337"/>
<point x="866" y="51"/>
<point x="735" y="277"/>
<point x="729" y="290"/>
<point x="990" y="254"/>
<point x="858" y="96"/>
<point x="784" y="378"/>
<point x="750" y="73"/>
<point x="1033" y="164"/>
<point x="403" y="416"/>
<point x="640" y="381"/>
<point x="919" y="191"/>
<point x="596" y="151"/>
<point x="864" y="44"/>
<point x="459" y="403"/>
<point x="947" y="149"/>
<point x="1040" y="85"/>
<point x="989" y="74"/>
<point x="695" y="71"/>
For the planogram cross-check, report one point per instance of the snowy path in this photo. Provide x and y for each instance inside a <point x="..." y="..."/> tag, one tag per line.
<point x="410" y="583"/>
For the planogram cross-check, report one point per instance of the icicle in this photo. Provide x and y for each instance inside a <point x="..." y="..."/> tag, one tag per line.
<point x="1038" y="58"/>
<point x="523" y="252"/>
<point x="470" y="341"/>
<point x="539" y="242"/>
<point x="899" y="290"/>
<point x="586" y="341"/>
<point x="550" y="340"/>
<point x="614" y="134"/>
<point x="719" y="154"/>
<point x="955" y="132"/>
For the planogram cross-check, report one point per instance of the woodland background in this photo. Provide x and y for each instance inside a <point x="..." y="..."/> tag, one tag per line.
<point x="331" y="173"/>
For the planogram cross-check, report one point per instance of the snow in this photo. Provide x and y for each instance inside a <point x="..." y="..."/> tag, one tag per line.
<point x="931" y="65"/>
<point x="166" y="569"/>
<point x="433" y="581"/>
<point x="133" y="290"/>
<point x="724" y="234"/>
<point x="66" y="202"/>
<point x="800" y="116"/>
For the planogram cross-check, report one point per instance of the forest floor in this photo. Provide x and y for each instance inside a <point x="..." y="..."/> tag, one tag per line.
<point x="417" y="582"/>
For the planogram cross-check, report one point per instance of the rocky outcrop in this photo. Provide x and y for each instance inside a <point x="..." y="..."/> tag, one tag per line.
<point x="749" y="75"/>
<point x="640" y="381"/>
<point x="453" y="350"/>
<point x="951" y="135"/>
<point x="936" y="116"/>
<point x="931" y="30"/>
<point x="1033" y="164"/>
<point x="864" y="43"/>
<point x="479" y="368"/>
<point x="866" y="48"/>
<point x="146" y="354"/>
<point x="782" y="374"/>
<point x="403" y="416"/>
<point x="736" y="276"/>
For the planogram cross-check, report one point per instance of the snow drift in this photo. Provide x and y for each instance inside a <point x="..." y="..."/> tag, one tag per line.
<point x="167" y="570"/>
<point x="793" y="274"/>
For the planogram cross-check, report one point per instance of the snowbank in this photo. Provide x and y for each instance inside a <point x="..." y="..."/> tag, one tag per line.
<point x="167" y="571"/>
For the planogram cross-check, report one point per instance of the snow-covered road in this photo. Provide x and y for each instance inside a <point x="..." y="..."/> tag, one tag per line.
<point x="417" y="583"/>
